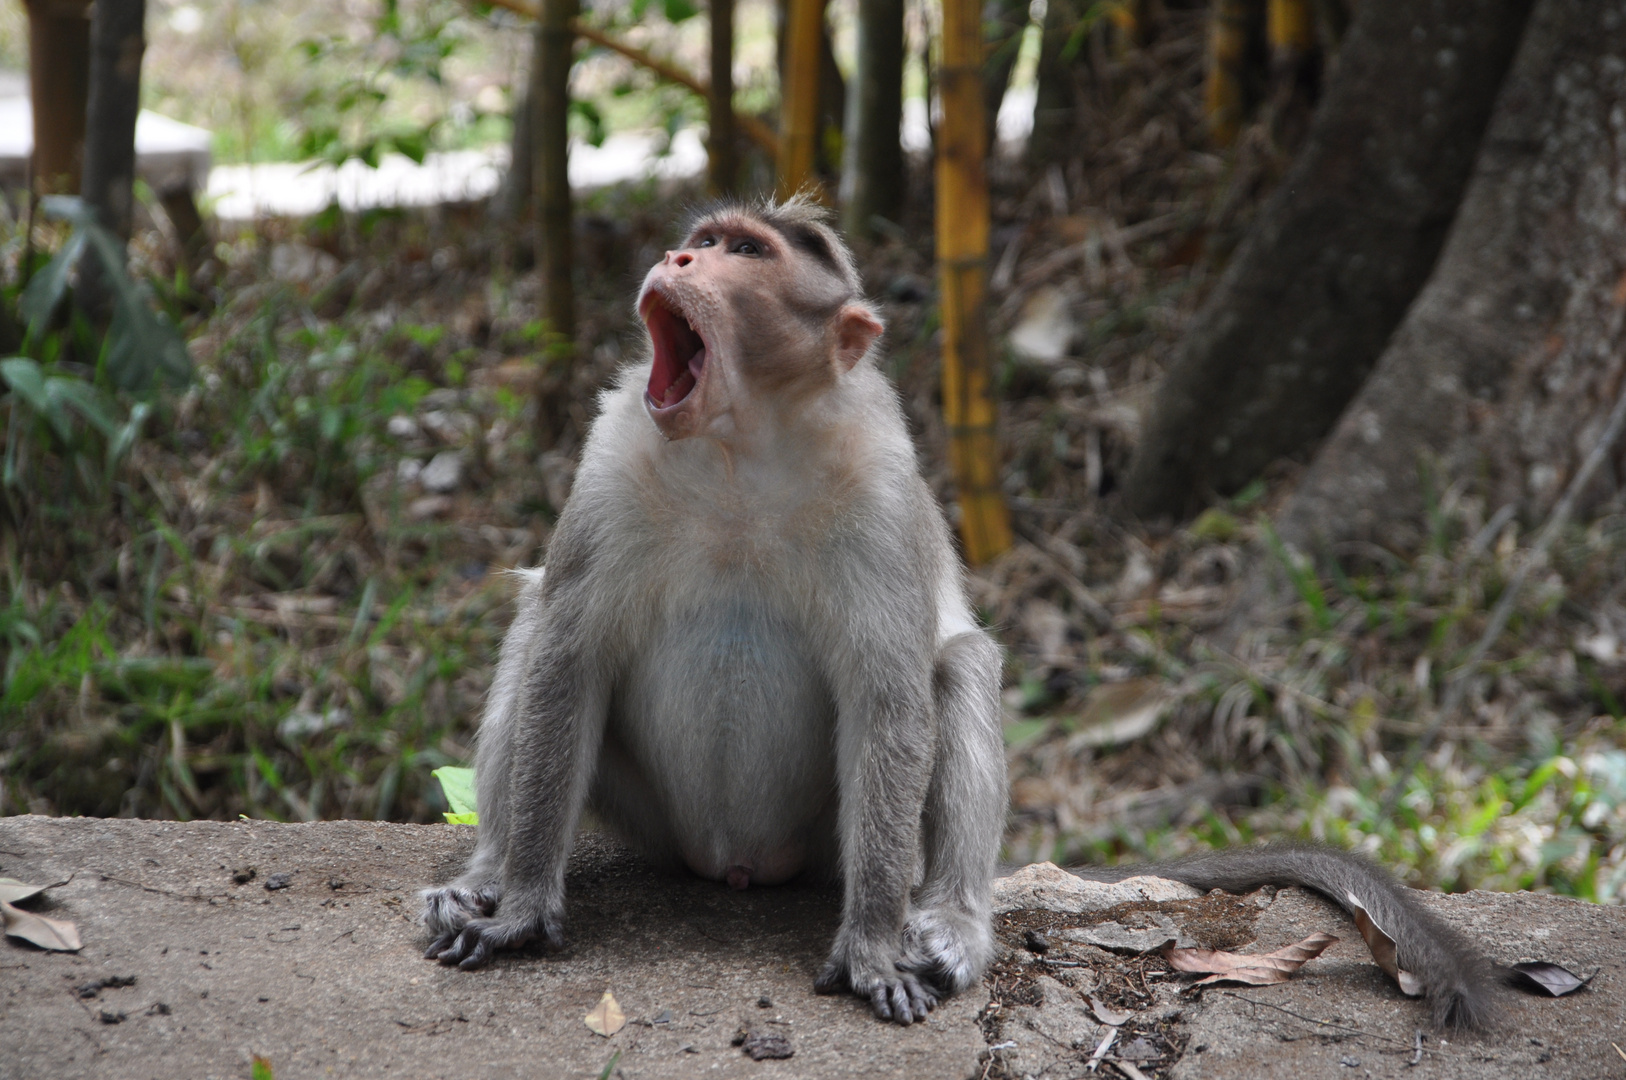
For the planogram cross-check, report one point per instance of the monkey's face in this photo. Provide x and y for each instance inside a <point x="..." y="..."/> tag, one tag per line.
<point x="744" y="321"/>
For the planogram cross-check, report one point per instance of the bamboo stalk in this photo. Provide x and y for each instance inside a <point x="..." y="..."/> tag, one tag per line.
<point x="962" y="258"/>
<point x="1289" y="28"/>
<point x="799" y="108"/>
<point x="1224" y="99"/>
<point x="754" y="128"/>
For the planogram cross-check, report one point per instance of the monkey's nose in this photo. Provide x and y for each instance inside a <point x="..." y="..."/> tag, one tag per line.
<point x="679" y="259"/>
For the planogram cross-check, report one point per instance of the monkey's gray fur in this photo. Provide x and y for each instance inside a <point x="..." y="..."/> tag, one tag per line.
<point x="752" y="653"/>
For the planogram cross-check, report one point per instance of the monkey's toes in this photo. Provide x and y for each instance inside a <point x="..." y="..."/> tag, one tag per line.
<point x="903" y="1000"/>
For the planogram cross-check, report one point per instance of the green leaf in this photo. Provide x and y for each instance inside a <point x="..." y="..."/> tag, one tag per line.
<point x="48" y="286"/>
<point x="458" y="785"/>
<point x="29" y="383"/>
<point x="678" y="10"/>
<point x="85" y="400"/>
<point x="261" y="1069"/>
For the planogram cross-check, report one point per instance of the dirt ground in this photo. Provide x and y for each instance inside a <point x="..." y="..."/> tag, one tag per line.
<point x="324" y="977"/>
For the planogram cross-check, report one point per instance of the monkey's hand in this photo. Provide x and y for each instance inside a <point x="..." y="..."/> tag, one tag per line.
<point x="879" y="976"/>
<point x="474" y="943"/>
<point x="450" y="907"/>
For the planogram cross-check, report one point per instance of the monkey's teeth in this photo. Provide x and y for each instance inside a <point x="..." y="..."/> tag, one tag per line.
<point x="678" y="390"/>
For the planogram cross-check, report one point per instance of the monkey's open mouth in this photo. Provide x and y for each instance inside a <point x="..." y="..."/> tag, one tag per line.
<point x="680" y="353"/>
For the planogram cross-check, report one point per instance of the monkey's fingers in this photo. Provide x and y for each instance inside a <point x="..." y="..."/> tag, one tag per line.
<point x="441" y="944"/>
<point x="902" y="1001"/>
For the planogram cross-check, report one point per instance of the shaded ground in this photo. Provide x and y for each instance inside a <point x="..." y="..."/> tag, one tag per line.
<point x="324" y="977"/>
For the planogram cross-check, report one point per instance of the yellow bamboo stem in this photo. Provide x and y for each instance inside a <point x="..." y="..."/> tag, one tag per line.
<point x="1289" y="28"/>
<point x="1223" y="98"/>
<point x="799" y="97"/>
<point x="962" y="260"/>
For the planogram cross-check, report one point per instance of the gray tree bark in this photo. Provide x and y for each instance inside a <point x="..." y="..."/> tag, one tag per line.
<point x="117" y="42"/>
<point x="1508" y="362"/>
<point x="872" y="175"/>
<point x="1302" y="312"/>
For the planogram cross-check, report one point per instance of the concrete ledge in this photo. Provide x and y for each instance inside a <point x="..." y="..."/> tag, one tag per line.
<point x="324" y="978"/>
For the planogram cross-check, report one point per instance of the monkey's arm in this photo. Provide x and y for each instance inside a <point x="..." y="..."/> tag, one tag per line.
<point x="1459" y="983"/>
<point x="546" y="753"/>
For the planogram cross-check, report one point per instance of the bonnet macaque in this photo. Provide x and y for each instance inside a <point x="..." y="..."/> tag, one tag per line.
<point x="752" y="653"/>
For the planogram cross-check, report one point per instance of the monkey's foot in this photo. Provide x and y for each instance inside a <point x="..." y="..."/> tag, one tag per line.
<point x="947" y="947"/>
<point x="477" y="941"/>
<point x="894" y="994"/>
<point x="450" y="907"/>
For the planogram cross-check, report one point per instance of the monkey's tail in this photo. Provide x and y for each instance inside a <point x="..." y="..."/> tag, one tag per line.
<point x="1459" y="983"/>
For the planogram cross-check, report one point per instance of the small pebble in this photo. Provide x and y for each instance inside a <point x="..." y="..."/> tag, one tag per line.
<point x="663" y="1017"/>
<point x="279" y="881"/>
<point x="110" y="1017"/>
<point x="1036" y="941"/>
<point x="763" y="1047"/>
<point x="764" y="1002"/>
<point x="244" y="874"/>
<point x="1350" y="1062"/>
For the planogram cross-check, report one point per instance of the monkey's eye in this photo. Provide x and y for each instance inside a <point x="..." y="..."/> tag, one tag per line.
<point x="710" y="241"/>
<point x="746" y="247"/>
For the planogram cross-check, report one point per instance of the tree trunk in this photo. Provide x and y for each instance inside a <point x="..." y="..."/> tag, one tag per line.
<point x="117" y="43"/>
<point x="1003" y="24"/>
<point x="550" y="107"/>
<point x="1054" y="96"/>
<point x="1508" y="362"/>
<point x="59" y="82"/>
<point x="516" y="187"/>
<point x="722" y="153"/>
<point x="1296" y="322"/>
<point x="872" y="175"/>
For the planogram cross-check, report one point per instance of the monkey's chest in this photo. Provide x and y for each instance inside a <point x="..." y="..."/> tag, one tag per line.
<point x="731" y="726"/>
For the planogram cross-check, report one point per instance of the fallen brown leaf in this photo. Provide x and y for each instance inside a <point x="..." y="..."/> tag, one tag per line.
<point x="1265" y="969"/>
<point x="1548" y="978"/>
<point x="1383" y="948"/>
<point x="58" y="935"/>
<point x="606" y="1018"/>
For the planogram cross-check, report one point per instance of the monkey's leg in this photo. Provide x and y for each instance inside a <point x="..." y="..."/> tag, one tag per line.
<point x="883" y="761"/>
<point x="477" y="891"/>
<point x="1458" y="981"/>
<point x="950" y="936"/>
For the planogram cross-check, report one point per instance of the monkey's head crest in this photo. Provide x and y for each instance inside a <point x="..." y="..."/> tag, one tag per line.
<point x="761" y="299"/>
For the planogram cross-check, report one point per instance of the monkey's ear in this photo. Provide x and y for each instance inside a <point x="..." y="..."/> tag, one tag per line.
<point x="857" y="327"/>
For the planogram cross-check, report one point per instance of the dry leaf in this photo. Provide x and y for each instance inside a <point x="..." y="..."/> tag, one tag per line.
<point x="55" y="934"/>
<point x="12" y="890"/>
<point x="1383" y="948"/>
<point x="1265" y="969"/>
<point x="1107" y="1015"/>
<point x="606" y="1018"/>
<point x="1548" y="978"/>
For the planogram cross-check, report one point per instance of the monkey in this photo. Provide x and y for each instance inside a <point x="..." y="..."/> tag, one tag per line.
<point x="751" y="652"/>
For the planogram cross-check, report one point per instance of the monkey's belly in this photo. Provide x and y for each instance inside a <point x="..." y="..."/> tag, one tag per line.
<point x="729" y="730"/>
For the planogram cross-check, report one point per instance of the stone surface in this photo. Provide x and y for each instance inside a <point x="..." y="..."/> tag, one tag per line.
<point x="325" y="978"/>
<point x="1047" y="887"/>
